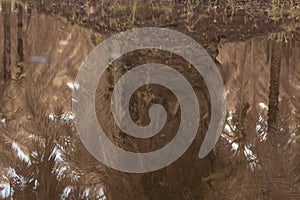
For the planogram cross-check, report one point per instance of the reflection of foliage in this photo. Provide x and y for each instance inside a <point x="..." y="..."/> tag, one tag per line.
<point x="46" y="170"/>
<point x="246" y="173"/>
<point x="263" y="165"/>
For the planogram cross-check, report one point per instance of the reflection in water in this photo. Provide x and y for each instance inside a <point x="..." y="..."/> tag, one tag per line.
<point x="34" y="89"/>
<point x="246" y="67"/>
<point x="37" y="104"/>
<point x="41" y="56"/>
<point x="263" y="73"/>
<point x="39" y="59"/>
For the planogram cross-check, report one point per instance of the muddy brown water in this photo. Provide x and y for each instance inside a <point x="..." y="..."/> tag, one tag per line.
<point x="53" y="52"/>
<point x="246" y="70"/>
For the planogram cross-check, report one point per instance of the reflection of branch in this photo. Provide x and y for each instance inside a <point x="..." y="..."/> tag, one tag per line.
<point x="227" y="135"/>
<point x="227" y="122"/>
<point x="16" y="1"/>
<point x="6" y="42"/>
<point x="274" y="87"/>
<point x="232" y="138"/>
